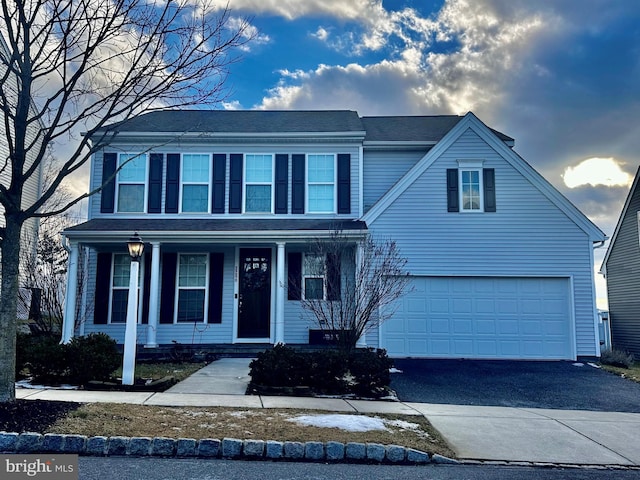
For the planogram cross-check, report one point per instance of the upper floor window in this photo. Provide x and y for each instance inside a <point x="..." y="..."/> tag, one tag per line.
<point x="321" y="181"/>
<point x="131" y="182"/>
<point x="470" y="190"/>
<point x="195" y="183"/>
<point x="258" y="185"/>
<point x="192" y="288"/>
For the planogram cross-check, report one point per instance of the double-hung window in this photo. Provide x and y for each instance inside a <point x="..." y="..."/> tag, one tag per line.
<point x="471" y="190"/>
<point x="195" y="183"/>
<point x="313" y="276"/>
<point x="131" y="182"/>
<point x="258" y="188"/>
<point x="120" y="287"/>
<point x="321" y="182"/>
<point x="192" y="287"/>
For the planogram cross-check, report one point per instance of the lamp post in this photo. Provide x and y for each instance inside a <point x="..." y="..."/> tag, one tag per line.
<point x="136" y="247"/>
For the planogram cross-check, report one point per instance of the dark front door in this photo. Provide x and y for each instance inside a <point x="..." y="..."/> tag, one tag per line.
<point x="254" y="300"/>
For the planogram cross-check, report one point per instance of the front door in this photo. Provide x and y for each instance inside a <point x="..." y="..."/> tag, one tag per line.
<point x="254" y="299"/>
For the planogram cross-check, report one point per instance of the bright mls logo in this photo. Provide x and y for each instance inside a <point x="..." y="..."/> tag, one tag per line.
<point x="58" y="467"/>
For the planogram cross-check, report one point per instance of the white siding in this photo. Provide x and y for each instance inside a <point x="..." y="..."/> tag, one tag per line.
<point x="527" y="236"/>
<point x="382" y="169"/>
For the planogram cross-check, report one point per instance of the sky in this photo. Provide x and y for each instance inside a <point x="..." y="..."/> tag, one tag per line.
<point x="561" y="77"/>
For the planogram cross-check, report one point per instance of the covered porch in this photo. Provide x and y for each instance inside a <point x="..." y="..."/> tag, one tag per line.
<point x="202" y="281"/>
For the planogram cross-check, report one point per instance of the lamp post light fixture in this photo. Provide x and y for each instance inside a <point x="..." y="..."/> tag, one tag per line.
<point x="136" y="247"/>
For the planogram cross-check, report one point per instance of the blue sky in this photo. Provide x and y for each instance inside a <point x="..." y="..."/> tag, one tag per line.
<point x="561" y="77"/>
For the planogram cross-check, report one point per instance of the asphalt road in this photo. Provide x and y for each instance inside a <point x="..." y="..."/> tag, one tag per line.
<point x="557" y="385"/>
<point x="121" y="468"/>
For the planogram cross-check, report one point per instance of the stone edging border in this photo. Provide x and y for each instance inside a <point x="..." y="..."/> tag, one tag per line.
<point x="227" y="448"/>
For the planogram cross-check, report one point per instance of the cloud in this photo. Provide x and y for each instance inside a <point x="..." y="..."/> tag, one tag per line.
<point x="321" y="34"/>
<point x="596" y="171"/>
<point x="292" y="9"/>
<point x="250" y="32"/>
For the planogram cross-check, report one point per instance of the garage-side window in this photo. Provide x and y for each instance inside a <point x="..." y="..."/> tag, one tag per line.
<point x="471" y="188"/>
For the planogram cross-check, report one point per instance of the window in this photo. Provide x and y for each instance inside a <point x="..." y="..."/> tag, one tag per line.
<point x="131" y="182"/>
<point x="195" y="183"/>
<point x="120" y="287"/>
<point x="470" y="190"/>
<point x="321" y="183"/>
<point x="192" y="288"/>
<point x="258" y="195"/>
<point x="313" y="275"/>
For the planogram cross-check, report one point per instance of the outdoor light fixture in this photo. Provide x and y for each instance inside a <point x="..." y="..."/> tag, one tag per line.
<point x="136" y="247"/>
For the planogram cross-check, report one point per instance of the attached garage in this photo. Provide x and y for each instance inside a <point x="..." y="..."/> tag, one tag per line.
<point x="482" y="317"/>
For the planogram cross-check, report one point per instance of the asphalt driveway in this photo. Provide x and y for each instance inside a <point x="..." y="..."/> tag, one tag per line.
<point x="556" y="385"/>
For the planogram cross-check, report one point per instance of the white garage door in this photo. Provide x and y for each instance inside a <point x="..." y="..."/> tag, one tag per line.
<point x="518" y="318"/>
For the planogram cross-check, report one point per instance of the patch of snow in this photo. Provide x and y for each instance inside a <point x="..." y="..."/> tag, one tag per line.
<point x="594" y="365"/>
<point x="28" y="384"/>
<point x="578" y="364"/>
<point x="403" y="424"/>
<point x="349" y="423"/>
<point x="394" y="370"/>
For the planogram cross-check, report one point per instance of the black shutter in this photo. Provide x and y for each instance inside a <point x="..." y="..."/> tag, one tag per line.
<point x="216" y="279"/>
<point x="146" y="286"/>
<point x="168" y="291"/>
<point x="489" y="182"/>
<point x="103" y="287"/>
<point x="333" y="276"/>
<point x="452" y="190"/>
<point x="219" y="172"/>
<point x="294" y="290"/>
<point x="297" y="183"/>
<point x="173" y="183"/>
<point x="108" y="193"/>
<point x="282" y="179"/>
<point x="235" y="183"/>
<point x="344" y="183"/>
<point x="155" y="183"/>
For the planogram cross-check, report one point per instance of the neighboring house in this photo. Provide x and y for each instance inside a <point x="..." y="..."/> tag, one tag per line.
<point x="32" y="187"/>
<point x="621" y="268"/>
<point x="227" y="202"/>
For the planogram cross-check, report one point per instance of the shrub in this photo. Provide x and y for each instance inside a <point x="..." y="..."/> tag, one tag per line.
<point x="363" y="372"/>
<point x="281" y="366"/>
<point x="23" y="351"/>
<point x="92" y="357"/>
<point x="46" y="359"/>
<point x="370" y="367"/>
<point x="616" y="358"/>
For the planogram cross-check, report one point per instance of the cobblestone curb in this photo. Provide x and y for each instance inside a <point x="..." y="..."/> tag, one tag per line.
<point x="352" y="452"/>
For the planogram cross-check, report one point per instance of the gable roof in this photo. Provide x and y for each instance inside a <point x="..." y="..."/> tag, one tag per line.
<point x="623" y="214"/>
<point x="431" y="128"/>
<point x="243" y="121"/>
<point x="470" y="121"/>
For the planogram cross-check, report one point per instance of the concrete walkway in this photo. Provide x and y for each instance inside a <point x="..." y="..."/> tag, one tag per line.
<point x="474" y="432"/>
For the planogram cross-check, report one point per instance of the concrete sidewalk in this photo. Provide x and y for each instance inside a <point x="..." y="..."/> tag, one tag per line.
<point x="474" y="432"/>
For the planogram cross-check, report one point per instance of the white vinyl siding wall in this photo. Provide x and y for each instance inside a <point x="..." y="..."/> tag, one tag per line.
<point x="527" y="236"/>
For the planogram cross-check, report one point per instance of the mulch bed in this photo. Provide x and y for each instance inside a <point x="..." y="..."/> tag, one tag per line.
<point x="32" y="415"/>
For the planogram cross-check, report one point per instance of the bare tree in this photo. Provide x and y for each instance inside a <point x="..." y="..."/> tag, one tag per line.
<point x="350" y="288"/>
<point x="70" y="67"/>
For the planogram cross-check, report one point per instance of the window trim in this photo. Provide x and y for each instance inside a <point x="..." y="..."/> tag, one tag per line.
<point x="271" y="184"/>
<point x="471" y="166"/>
<point x="176" y="297"/>
<point x="145" y="183"/>
<point x="309" y="183"/>
<point x="305" y="276"/>
<point x="183" y="183"/>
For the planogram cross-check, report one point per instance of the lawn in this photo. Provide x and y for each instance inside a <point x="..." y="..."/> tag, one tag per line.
<point x="156" y="371"/>
<point x="632" y="373"/>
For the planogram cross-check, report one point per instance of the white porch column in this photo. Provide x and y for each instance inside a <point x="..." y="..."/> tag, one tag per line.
<point x="130" y="333"/>
<point x="280" y="287"/>
<point x="362" y="341"/>
<point x="69" y="317"/>
<point x="154" y="296"/>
